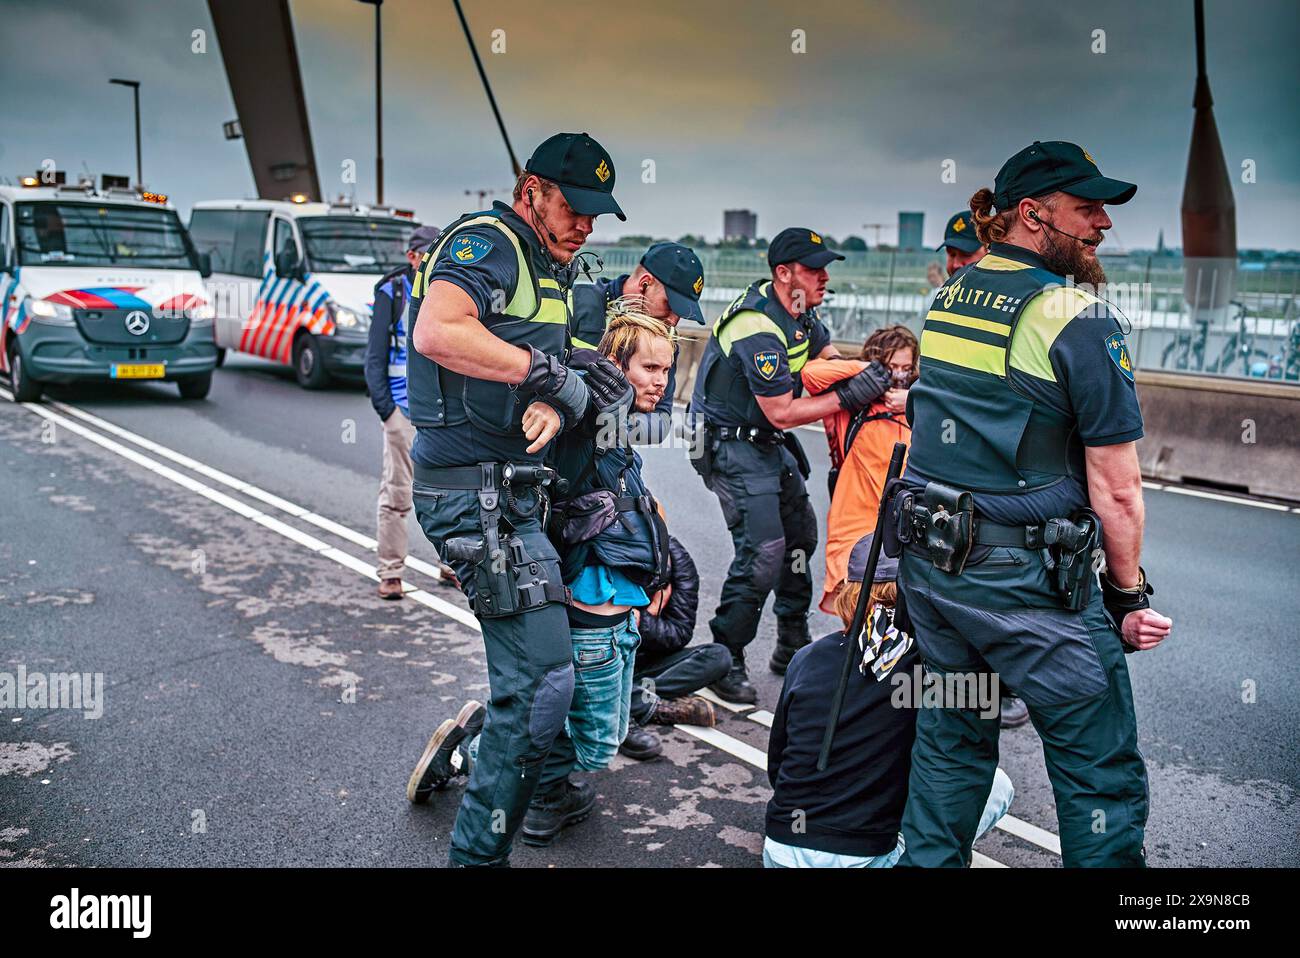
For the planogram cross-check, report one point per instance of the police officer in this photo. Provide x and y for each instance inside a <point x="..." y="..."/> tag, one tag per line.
<point x="488" y="391"/>
<point x="960" y="243"/>
<point x="1022" y="471"/>
<point x="668" y="281"/>
<point x="748" y="391"/>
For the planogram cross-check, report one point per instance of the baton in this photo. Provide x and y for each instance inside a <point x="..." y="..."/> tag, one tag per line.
<point x="851" y="651"/>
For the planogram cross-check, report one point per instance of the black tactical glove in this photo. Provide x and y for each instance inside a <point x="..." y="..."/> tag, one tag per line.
<point x="1120" y="602"/>
<point x="555" y="384"/>
<point x="866" y="387"/>
<point x="608" y="386"/>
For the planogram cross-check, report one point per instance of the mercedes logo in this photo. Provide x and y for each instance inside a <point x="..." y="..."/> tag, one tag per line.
<point x="137" y="322"/>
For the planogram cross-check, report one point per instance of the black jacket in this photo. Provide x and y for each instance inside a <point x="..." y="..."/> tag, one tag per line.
<point x="674" y="627"/>
<point x="855" y="807"/>
<point x="382" y="318"/>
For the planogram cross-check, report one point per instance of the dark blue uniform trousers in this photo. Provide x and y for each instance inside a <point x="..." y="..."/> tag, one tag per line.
<point x="530" y="675"/>
<point x="1001" y="615"/>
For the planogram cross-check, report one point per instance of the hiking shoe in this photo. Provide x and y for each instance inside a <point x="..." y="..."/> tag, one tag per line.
<point x="447" y="754"/>
<point x="561" y="806"/>
<point x="687" y="710"/>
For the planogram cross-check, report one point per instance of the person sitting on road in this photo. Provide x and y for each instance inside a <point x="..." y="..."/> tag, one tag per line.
<point x="848" y="816"/>
<point x="668" y="668"/>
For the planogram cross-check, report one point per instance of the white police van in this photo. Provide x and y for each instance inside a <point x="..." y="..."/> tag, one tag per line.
<point x="293" y="281"/>
<point x="99" y="283"/>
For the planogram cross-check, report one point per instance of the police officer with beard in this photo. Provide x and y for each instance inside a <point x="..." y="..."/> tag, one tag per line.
<point x="748" y="392"/>
<point x="1022" y="476"/>
<point x="488" y="390"/>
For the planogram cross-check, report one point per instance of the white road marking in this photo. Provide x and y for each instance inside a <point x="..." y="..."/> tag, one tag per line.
<point x="707" y="693"/>
<point x="714" y="737"/>
<point x="983" y="861"/>
<point x="762" y="717"/>
<point x="1219" y="497"/>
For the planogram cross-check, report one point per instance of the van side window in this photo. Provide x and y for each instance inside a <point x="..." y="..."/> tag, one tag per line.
<point x="284" y="240"/>
<point x="4" y="241"/>
<point x="234" y="238"/>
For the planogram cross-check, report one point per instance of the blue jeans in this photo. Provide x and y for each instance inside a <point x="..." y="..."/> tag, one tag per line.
<point x="779" y="855"/>
<point x="603" y="662"/>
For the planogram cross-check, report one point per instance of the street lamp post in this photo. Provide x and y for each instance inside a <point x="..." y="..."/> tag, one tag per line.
<point x="379" y="104"/>
<point x="135" y="91"/>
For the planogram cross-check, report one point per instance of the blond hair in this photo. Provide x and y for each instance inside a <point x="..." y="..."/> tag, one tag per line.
<point x="846" y="599"/>
<point x="625" y="323"/>
<point x="993" y="227"/>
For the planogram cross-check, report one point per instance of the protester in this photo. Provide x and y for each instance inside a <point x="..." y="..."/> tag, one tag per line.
<point x="848" y="816"/>
<point x="386" y="382"/>
<point x="861" y="444"/>
<point x="668" y="668"/>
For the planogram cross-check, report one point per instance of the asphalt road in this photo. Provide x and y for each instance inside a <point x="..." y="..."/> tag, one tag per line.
<point x="263" y="707"/>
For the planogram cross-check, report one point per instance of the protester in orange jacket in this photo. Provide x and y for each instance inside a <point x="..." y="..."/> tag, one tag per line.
<point x="861" y="473"/>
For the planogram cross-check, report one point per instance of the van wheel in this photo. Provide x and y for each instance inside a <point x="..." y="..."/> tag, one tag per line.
<point x="195" y="387"/>
<point x="308" y="368"/>
<point x="24" y="388"/>
<point x="221" y="356"/>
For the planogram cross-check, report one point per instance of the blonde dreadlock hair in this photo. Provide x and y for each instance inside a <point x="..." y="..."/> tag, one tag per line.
<point x="625" y="322"/>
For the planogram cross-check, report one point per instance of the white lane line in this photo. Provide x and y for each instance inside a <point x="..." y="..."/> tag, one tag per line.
<point x="707" y="693"/>
<point x="762" y="717"/>
<point x="1151" y="485"/>
<point x="723" y="741"/>
<point x="1219" y="497"/>
<point x="239" y="485"/>
<point x="983" y="861"/>
<point x="1030" y="833"/>
<point x="714" y="737"/>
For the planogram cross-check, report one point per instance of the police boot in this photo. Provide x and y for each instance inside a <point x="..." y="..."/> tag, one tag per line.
<point x="565" y="804"/>
<point x="735" y="685"/>
<point x="640" y="743"/>
<point x="791" y="636"/>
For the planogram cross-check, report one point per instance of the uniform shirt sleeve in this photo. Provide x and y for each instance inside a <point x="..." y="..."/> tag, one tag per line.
<point x="762" y="357"/>
<point x="1090" y="358"/>
<point x="486" y="267"/>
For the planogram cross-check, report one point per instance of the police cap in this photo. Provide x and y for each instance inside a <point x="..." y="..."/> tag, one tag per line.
<point x="679" y="269"/>
<point x="582" y="168"/>
<point x="960" y="233"/>
<point x="800" y="245"/>
<point x="1056" y="165"/>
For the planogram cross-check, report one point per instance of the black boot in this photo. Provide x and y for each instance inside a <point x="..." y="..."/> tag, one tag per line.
<point x="735" y="685"/>
<point x="791" y="636"/>
<point x="1014" y="713"/>
<point x="641" y="743"/>
<point x="565" y="804"/>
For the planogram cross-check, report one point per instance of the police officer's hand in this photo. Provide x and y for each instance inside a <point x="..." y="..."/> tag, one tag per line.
<point x="1145" y="629"/>
<point x="608" y="386"/>
<point x="551" y="380"/>
<point x="896" y="400"/>
<point x="541" y="424"/>
<point x="865" y="388"/>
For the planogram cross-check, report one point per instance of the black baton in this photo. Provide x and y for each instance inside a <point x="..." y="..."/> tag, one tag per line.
<point x="851" y="651"/>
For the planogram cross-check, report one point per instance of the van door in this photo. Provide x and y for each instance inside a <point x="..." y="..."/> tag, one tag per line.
<point x="270" y="330"/>
<point x="8" y="283"/>
<point x="236" y="241"/>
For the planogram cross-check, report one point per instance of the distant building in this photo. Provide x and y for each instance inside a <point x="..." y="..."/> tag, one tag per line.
<point x="910" y="227"/>
<point x="739" y="224"/>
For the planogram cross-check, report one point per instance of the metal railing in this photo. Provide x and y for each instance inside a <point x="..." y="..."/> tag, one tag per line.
<point x="1257" y="338"/>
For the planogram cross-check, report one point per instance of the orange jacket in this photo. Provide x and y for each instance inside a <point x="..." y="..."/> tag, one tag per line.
<point x="862" y="476"/>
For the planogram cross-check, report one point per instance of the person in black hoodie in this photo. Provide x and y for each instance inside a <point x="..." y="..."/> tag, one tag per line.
<point x="849" y="815"/>
<point x="668" y="668"/>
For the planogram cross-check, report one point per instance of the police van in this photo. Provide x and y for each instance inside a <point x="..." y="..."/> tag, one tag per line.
<point x="99" y="282"/>
<point x="293" y="281"/>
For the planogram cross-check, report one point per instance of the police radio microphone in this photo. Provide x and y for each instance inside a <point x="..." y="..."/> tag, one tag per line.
<point x="1033" y="215"/>
<point x="554" y="238"/>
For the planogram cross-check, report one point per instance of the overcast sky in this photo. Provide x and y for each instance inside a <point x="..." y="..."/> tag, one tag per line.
<point x="847" y="133"/>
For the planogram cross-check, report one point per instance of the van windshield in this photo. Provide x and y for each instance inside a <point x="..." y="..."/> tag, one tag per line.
<point x="101" y="234"/>
<point x="354" y="244"/>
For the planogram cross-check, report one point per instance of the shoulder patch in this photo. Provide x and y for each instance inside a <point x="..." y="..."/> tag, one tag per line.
<point x="1117" y="349"/>
<point x="766" y="362"/>
<point x="469" y="249"/>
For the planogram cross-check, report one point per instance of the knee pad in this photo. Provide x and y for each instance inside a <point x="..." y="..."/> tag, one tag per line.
<point x="550" y="707"/>
<point x="769" y="559"/>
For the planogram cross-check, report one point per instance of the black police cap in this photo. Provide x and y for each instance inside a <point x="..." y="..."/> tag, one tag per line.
<point x="582" y="168"/>
<point x="960" y="233"/>
<point x="1054" y="166"/>
<point x="679" y="269"/>
<point x="800" y="245"/>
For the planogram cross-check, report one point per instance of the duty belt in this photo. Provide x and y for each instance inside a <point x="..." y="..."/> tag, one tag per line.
<point x="489" y="474"/>
<point x="754" y="434"/>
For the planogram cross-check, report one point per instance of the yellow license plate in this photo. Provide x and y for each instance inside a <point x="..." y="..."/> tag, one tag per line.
<point x="138" y="371"/>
